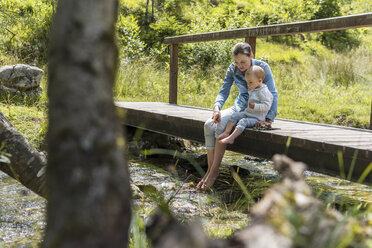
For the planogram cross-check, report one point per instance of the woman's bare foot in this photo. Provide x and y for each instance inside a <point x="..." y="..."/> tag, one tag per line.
<point x="228" y="140"/>
<point x="210" y="180"/>
<point x="200" y="184"/>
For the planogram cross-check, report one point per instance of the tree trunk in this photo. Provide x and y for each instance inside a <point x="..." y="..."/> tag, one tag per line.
<point x="147" y="12"/>
<point x="152" y="11"/>
<point x="26" y="163"/>
<point x="87" y="174"/>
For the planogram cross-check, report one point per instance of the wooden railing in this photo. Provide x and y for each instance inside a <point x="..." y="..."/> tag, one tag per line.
<point x="250" y="35"/>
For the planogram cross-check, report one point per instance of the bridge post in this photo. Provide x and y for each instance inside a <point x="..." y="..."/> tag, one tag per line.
<point x="252" y="41"/>
<point x="173" y="74"/>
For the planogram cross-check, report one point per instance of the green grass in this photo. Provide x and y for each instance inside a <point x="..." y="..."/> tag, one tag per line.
<point x="28" y="115"/>
<point x="30" y="121"/>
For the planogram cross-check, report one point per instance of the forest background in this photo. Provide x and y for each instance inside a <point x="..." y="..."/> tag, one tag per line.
<point x="322" y="77"/>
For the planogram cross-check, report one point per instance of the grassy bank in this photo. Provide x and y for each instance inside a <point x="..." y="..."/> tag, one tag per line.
<point x="28" y="115"/>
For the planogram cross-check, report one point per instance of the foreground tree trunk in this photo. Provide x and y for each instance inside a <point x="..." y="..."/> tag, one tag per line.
<point x="26" y="163"/>
<point x="87" y="174"/>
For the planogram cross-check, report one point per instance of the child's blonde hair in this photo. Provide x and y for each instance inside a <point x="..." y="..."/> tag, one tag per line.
<point x="256" y="71"/>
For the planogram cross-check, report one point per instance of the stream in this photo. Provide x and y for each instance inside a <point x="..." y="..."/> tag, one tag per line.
<point x="221" y="211"/>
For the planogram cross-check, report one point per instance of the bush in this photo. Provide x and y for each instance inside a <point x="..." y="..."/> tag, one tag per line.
<point x="128" y="33"/>
<point x="338" y="40"/>
<point x="26" y="28"/>
<point x="166" y="26"/>
<point x="208" y="54"/>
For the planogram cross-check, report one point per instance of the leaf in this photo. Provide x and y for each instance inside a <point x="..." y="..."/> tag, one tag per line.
<point x="4" y="159"/>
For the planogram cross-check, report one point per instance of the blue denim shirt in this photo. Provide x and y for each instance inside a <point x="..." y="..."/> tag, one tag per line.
<point x="241" y="101"/>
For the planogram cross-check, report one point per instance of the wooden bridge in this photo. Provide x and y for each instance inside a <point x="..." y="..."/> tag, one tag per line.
<point x="335" y="150"/>
<point x="318" y="145"/>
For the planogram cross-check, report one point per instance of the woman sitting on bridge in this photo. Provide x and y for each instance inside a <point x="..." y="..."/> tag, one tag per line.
<point x="214" y="126"/>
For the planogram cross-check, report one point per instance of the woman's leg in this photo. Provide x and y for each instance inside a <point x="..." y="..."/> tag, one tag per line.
<point x="210" y="157"/>
<point x="212" y="175"/>
<point x="215" y="154"/>
<point x="209" y="136"/>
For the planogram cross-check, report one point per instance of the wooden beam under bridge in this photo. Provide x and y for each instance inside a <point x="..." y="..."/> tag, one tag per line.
<point x="318" y="145"/>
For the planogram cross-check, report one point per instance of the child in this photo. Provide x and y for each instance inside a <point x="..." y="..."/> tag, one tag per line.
<point x="259" y="104"/>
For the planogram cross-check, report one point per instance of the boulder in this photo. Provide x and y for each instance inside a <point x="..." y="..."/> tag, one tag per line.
<point x="20" y="78"/>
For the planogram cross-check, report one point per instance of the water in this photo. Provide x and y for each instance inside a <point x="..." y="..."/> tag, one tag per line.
<point x="22" y="214"/>
<point x="221" y="211"/>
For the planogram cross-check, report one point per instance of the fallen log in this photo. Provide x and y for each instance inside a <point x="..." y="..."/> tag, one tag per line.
<point x="27" y="165"/>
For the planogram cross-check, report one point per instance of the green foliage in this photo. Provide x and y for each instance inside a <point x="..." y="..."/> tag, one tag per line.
<point x="138" y="238"/>
<point x="338" y="40"/>
<point x="28" y="116"/>
<point x="175" y="17"/>
<point x="206" y="54"/>
<point x="30" y="121"/>
<point x="273" y="12"/>
<point x="143" y="25"/>
<point x="25" y="31"/>
<point x="128" y="34"/>
<point x="166" y="26"/>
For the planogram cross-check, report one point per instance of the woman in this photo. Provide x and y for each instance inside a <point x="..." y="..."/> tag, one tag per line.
<point x="213" y="127"/>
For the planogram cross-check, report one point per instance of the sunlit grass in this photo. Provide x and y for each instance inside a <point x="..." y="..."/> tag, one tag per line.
<point x="30" y="121"/>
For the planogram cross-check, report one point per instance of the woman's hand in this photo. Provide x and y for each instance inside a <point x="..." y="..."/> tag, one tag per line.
<point x="216" y="117"/>
<point x="265" y="123"/>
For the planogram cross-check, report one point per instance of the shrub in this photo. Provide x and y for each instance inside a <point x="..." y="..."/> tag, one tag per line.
<point x="27" y="24"/>
<point x="166" y="26"/>
<point x="338" y="40"/>
<point x="128" y="33"/>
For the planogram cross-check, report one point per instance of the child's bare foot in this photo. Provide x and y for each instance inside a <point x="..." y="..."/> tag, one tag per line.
<point x="222" y="136"/>
<point x="227" y="140"/>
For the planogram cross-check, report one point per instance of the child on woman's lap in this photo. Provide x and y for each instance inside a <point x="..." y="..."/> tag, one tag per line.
<point x="259" y="103"/>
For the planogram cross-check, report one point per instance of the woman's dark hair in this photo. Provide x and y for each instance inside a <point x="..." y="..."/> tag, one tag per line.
<point x="243" y="48"/>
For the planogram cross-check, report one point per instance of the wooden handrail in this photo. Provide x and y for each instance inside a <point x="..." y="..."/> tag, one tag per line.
<point x="250" y="35"/>
<point x="321" y="25"/>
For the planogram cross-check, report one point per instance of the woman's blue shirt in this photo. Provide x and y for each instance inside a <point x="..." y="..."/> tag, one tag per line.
<point x="241" y="102"/>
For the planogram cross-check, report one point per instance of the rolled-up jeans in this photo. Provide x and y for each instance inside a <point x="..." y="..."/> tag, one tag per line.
<point x="212" y="132"/>
<point x="241" y="120"/>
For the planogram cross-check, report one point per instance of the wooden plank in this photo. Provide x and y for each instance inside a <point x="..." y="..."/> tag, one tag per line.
<point x="173" y="74"/>
<point x="321" y="25"/>
<point x="319" y="153"/>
